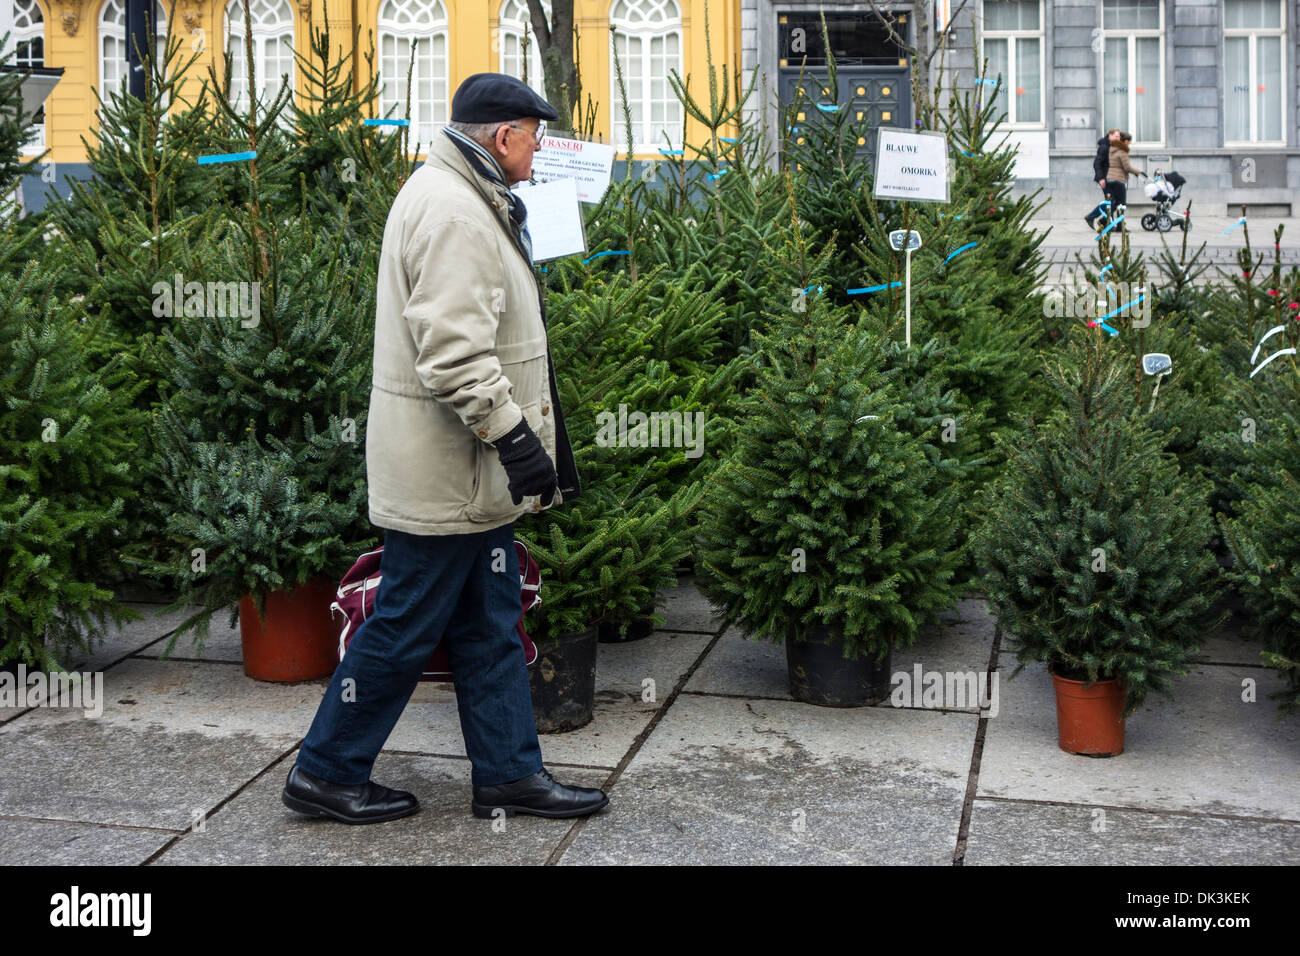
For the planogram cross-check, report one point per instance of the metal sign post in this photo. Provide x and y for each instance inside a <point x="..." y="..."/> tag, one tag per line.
<point x="1158" y="364"/>
<point x="912" y="239"/>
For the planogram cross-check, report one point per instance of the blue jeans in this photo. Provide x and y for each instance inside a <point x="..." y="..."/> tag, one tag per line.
<point x="434" y="588"/>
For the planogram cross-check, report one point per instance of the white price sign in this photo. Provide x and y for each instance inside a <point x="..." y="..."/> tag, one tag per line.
<point x="911" y="165"/>
<point x="588" y="164"/>
<point x="554" y="219"/>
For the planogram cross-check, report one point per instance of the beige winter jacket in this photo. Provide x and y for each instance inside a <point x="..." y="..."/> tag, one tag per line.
<point x="1120" y="168"/>
<point x="460" y="354"/>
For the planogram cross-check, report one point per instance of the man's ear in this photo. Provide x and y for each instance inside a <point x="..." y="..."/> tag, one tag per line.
<point x="499" y="140"/>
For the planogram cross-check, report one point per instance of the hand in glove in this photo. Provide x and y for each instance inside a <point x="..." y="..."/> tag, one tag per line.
<point x="529" y="468"/>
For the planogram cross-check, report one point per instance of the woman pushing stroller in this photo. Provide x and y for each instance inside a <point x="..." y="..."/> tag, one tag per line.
<point x="1118" y="170"/>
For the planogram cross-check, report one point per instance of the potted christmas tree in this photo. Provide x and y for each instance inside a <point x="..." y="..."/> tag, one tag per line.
<point x="602" y="556"/>
<point x="605" y="555"/>
<point x="262" y="531"/>
<point x="67" y="436"/>
<point x="1262" y="529"/>
<point x="260" y="438"/>
<point x="830" y="526"/>
<point x="1095" y="551"/>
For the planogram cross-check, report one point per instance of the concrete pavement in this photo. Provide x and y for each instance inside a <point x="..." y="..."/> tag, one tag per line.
<point x="1068" y="234"/>
<point x="186" y="763"/>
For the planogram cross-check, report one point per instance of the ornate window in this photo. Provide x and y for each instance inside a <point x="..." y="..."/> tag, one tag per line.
<point x="112" y="45"/>
<point x="1013" y="44"/>
<point x="1133" y="69"/>
<point x="272" y="33"/>
<point x="413" y="36"/>
<point x="1254" y="71"/>
<point x="648" y="43"/>
<point x="513" y="23"/>
<point x="29" y="39"/>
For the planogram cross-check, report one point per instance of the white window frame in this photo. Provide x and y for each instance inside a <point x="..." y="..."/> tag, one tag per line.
<point x="263" y="34"/>
<point x="1011" y="36"/>
<point x="112" y="29"/>
<point x="33" y="28"/>
<point x="1131" y="36"/>
<point x="412" y="21"/>
<point x="645" y="29"/>
<point x="510" y="26"/>
<point x="1252" y="34"/>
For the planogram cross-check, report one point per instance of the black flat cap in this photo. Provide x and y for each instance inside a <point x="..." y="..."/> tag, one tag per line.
<point x="493" y="97"/>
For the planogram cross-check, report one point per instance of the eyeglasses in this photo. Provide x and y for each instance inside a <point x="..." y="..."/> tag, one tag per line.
<point x="537" y="135"/>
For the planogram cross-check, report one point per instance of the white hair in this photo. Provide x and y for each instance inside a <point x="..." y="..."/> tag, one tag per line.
<point x="482" y="133"/>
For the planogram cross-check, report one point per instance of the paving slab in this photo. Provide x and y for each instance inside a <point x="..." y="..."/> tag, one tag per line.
<point x="125" y="639"/>
<point x="738" y="666"/>
<point x="1016" y="834"/>
<point x="256" y="828"/>
<point x="222" y="644"/>
<point x="1230" y="645"/>
<point x="39" y="843"/>
<point x="1203" y="750"/>
<point x="664" y="657"/>
<point x="175" y="738"/>
<point x="728" y="781"/>
<point x="684" y="608"/>
<point x="961" y="643"/>
<point x="431" y="725"/>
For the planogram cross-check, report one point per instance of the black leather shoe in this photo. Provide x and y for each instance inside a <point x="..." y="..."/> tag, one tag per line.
<point x="351" y="803"/>
<point x="539" y="795"/>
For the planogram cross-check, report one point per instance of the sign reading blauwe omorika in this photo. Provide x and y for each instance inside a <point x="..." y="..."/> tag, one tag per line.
<point x="911" y="165"/>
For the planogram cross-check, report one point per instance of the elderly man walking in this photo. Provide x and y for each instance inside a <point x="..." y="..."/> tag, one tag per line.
<point x="464" y="435"/>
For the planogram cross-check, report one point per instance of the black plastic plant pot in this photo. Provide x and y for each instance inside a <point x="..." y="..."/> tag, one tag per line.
<point x="820" y="674"/>
<point x="642" y="625"/>
<point x="563" y="682"/>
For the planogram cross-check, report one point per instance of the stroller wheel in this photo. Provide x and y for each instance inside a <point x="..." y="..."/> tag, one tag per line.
<point x="1164" y="222"/>
<point x="1149" y="221"/>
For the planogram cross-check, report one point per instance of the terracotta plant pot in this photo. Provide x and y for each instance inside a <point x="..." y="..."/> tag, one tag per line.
<point x="1089" y="720"/>
<point x="563" y="682"/>
<point x="820" y="674"/>
<point x="298" y="639"/>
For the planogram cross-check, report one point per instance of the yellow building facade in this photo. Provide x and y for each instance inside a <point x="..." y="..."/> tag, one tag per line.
<point x="447" y="40"/>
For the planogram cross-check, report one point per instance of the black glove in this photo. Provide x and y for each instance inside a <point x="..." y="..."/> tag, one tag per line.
<point x="529" y="468"/>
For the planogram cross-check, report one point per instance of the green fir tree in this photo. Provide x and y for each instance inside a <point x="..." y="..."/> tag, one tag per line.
<point x="1094" y="549"/>
<point x="829" y="511"/>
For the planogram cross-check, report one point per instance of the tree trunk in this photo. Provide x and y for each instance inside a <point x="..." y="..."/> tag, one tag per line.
<point x="922" y="42"/>
<point x="559" y="69"/>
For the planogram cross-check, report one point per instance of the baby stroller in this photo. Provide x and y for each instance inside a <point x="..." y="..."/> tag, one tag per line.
<point x="1164" y="189"/>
